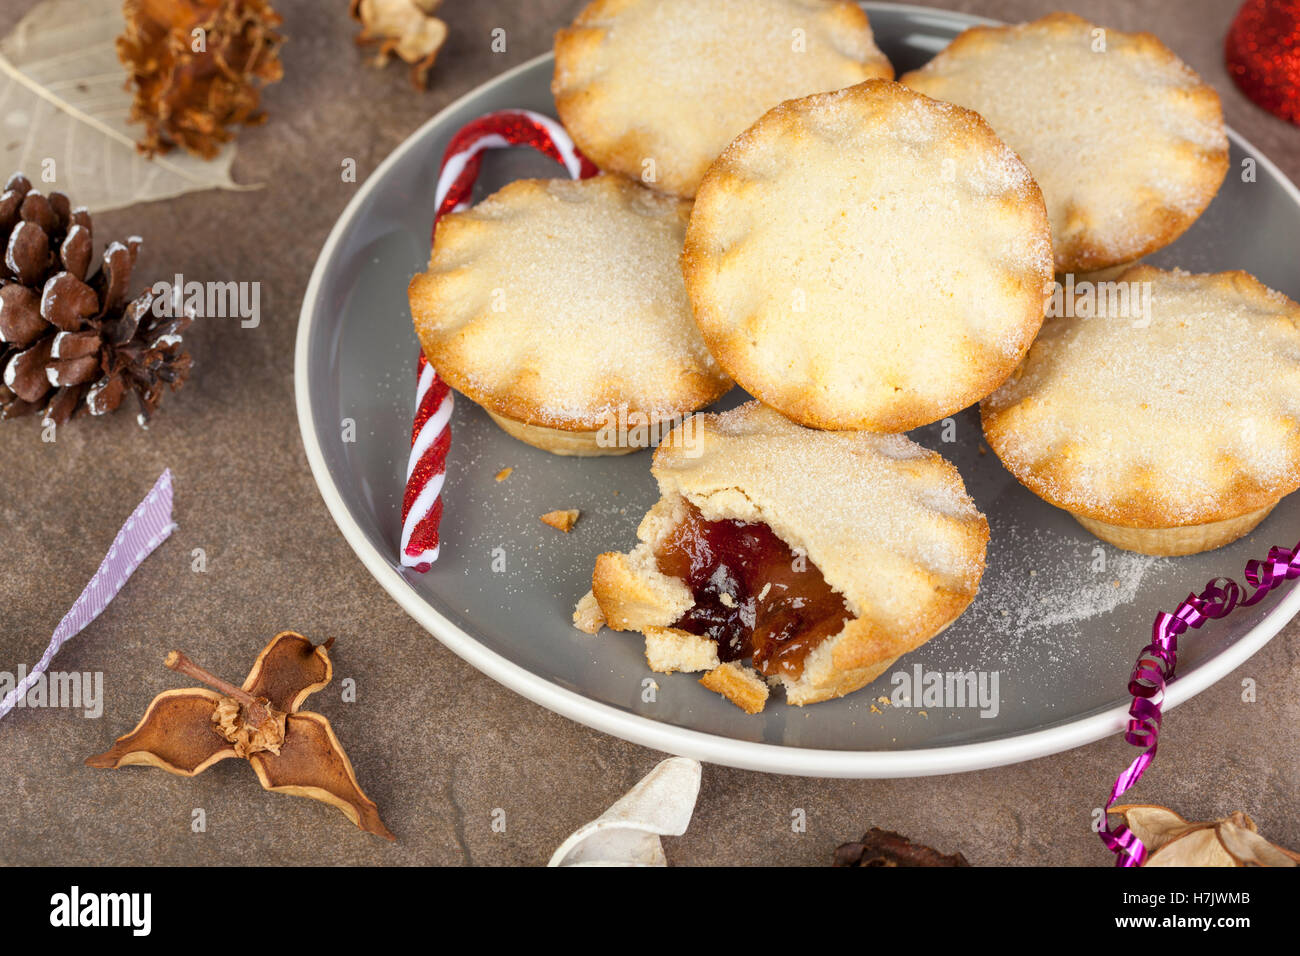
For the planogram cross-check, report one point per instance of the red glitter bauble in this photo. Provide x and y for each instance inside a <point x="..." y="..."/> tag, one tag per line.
<point x="1263" y="55"/>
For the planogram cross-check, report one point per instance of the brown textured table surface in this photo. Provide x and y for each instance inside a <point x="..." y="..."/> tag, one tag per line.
<point x="437" y="745"/>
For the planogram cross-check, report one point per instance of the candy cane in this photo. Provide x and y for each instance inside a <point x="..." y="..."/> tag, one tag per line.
<point x="426" y="470"/>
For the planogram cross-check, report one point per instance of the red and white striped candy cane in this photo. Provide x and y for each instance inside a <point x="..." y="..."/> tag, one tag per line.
<point x="431" y="432"/>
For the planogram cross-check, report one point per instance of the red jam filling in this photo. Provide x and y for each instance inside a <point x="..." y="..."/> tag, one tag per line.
<point x="754" y="596"/>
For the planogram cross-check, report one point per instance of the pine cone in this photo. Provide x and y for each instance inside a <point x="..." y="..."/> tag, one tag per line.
<point x="188" y="97"/>
<point x="68" y="343"/>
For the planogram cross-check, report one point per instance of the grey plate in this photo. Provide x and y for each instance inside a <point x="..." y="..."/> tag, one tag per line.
<point x="1059" y="617"/>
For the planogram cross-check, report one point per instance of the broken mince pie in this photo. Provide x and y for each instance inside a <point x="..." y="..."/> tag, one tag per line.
<point x="819" y="557"/>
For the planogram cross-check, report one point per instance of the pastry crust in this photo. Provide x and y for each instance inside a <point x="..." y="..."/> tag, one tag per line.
<point x="868" y="259"/>
<point x="1185" y="417"/>
<point x="1128" y="144"/>
<point x="740" y="685"/>
<point x="559" y="306"/>
<point x="888" y="524"/>
<point x="657" y="88"/>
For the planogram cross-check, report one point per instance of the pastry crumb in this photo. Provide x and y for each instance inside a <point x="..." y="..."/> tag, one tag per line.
<point x="563" y="520"/>
<point x="587" y="615"/>
<point x="503" y="474"/>
<point x="740" y="685"/>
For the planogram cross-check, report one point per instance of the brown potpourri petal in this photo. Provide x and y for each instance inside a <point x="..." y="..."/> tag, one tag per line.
<point x="175" y="734"/>
<point x="289" y="669"/>
<point x="885" y="848"/>
<point x="312" y="763"/>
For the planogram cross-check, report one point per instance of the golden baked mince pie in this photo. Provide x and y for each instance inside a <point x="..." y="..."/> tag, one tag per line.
<point x="1126" y="141"/>
<point x="783" y="555"/>
<point x="1169" y="429"/>
<point x="654" y="89"/>
<point x="559" y="307"/>
<point x="868" y="259"/>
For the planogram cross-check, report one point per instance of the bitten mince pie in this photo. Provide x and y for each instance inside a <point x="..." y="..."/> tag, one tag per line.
<point x="1125" y="140"/>
<point x="654" y="89"/>
<point x="1168" y="430"/>
<point x="559" y="307"/>
<point x="783" y="555"/>
<point x="869" y="258"/>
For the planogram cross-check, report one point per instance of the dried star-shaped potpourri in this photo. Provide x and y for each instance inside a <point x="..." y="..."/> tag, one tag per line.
<point x="292" y="751"/>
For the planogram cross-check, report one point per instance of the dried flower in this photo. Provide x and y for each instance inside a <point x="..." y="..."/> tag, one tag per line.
<point x="198" y="67"/>
<point x="1170" y="840"/>
<point x="405" y="27"/>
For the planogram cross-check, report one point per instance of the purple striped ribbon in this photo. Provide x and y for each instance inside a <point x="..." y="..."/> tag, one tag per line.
<point x="149" y="526"/>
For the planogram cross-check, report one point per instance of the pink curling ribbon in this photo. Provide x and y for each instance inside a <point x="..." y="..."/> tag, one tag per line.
<point x="149" y="526"/>
<point x="1155" y="668"/>
<point x="426" y="469"/>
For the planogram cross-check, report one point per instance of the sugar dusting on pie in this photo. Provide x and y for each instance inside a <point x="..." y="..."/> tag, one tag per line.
<point x="560" y="304"/>
<point x="1126" y="141"/>
<point x="655" y="89"/>
<point x="817" y="558"/>
<point x="868" y="258"/>
<point x="1185" y="416"/>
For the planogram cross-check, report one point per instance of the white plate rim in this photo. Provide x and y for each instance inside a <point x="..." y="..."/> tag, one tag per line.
<point x="748" y="755"/>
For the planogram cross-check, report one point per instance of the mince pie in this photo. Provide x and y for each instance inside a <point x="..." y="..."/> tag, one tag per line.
<point x="559" y="307"/>
<point x="654" y="89"/>
<point x="1126" y="141"/>
<point x="1169" y="427"/>
<point x="868" y="259"/>
<point x="783" y="555"/>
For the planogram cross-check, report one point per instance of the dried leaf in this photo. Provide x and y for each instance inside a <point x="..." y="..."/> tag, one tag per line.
<point x="65" y="100"/>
